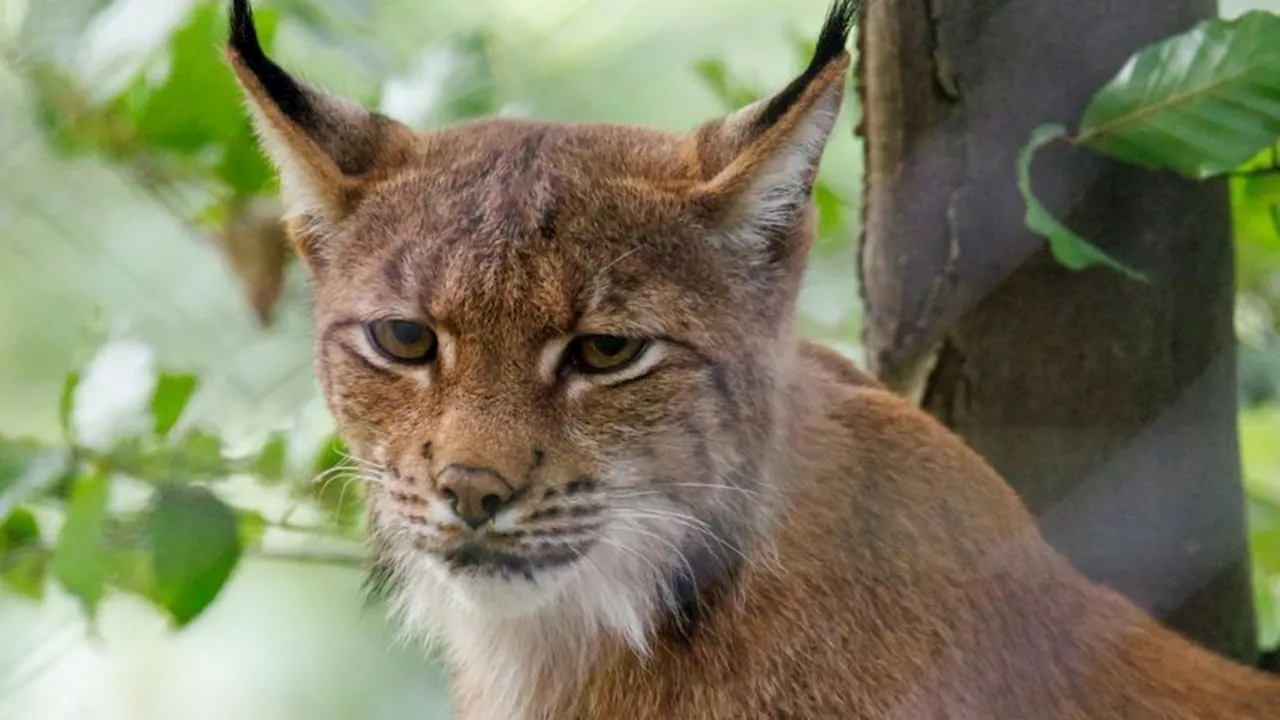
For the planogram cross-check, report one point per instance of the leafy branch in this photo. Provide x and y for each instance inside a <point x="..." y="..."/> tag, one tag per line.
<point x="1202" y="104"/>
<point x="65" y="515"/>
<point x="183" y="141"/>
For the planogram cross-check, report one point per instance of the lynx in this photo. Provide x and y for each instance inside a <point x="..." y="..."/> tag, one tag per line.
<point x="608" y="479"/>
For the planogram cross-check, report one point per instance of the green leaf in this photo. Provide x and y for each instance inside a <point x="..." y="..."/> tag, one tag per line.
<point x="131" y="571"/>
<point x="195" y="544"/>
<point x="269" y="465"/>
<point x="1260" y="457"/>
<point x="19" y="530"/>
<point x="16" y="457"/>
<point x="24" y="572"/>
<point x="332" y="454"/>
<point x="199" y="104"/>
<point x="244" y="168"/>
<point x="1267" y="160"/>
<point x="831" y="209"/>
<point x="1268" y="612"/>
<point x="1199" y="104"/>
<point x="1068" y="248"/>
<point x="81" y="561"/>
<point x="338" y="493"/>
<point x="201" y="455"/>
<point x="65" y="404"/>
<point x="197" y="456"/>
<point x="1255" y="216"/>
<point x="172" y="394"/>
<point x="26" y="468"/>
<point x="23" y="560"/>
<point x="252" y="528"/>
<point x="1264" y="548"/>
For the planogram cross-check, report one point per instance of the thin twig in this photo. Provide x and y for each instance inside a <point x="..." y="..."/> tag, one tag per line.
<point x="311" y="557"/>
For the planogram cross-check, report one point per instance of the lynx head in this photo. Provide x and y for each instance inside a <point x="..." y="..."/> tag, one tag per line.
<point x="559" y="347"/>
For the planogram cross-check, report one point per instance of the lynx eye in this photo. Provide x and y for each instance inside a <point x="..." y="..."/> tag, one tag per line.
<point x="403" y="341"/>
<point x="603" y="353"/>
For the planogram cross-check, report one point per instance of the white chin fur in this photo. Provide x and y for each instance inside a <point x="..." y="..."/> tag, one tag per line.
<point x="496" y="596"/>
<point x="614" y="588"/>
<point x="508" y="636"/>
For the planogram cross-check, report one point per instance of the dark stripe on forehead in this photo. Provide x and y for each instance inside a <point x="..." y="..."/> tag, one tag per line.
<point x="720" y="383"/>
<point x="547" y="224"/>
<point x="530" y="145"/>
<point x="691" y="429"/>
<point x="393" y="270"/>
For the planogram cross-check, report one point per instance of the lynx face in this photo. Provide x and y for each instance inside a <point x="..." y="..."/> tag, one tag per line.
<point x="539" y="348"/>
<point x="556" y="346"/>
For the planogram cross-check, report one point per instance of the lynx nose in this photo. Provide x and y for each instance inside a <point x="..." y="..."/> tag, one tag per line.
<point x="476" y="494"/>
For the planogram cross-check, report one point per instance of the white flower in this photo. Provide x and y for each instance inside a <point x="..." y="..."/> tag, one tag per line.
<point x="113" y="399"/>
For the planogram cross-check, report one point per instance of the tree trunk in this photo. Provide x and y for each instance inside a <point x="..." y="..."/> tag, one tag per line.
<point x="1108" y="404"/>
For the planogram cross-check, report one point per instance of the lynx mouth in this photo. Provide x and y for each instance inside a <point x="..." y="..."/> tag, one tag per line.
<point x="473" y="558"/>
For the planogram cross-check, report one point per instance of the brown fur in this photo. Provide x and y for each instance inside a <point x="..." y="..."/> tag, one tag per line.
<point x="795" y="541"/>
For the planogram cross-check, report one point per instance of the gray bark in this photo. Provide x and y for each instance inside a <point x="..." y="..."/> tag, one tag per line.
<point x="1108" y="404"/>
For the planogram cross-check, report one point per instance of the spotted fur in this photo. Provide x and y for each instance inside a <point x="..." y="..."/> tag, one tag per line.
<point x="738" y="524"/>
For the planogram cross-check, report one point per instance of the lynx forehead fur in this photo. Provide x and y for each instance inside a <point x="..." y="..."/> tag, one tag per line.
<point x="608" y="479"/>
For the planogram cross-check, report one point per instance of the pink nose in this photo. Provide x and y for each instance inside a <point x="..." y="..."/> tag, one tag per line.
<point x="476" y="494"/>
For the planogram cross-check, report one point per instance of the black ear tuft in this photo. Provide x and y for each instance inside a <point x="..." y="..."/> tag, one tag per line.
<point x="832" y="43"/>
<point x="287" y="94"/>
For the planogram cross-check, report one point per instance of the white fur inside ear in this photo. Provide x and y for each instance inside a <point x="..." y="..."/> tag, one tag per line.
<point x="779" y="192"/>
<point x="304" y="180"/>
<point x="299" y="189"/>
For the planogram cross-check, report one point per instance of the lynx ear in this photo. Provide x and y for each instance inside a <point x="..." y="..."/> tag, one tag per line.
<point x="762" y="160"/>
<point x="327" y="149"/>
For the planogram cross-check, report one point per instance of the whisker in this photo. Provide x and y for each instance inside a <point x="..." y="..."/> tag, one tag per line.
<point x="623" y="547"/>
<point x="344" y="476"/>
<point x="716" y="486"/>
<point x="674" y="547"/>
<point x="657" y="490"/>
<point x="593" y="565"/>
<point x="342" y="495"/>
<point x="336" y="469"/>
<point x="356" y="459"/>
<point x="688" y="521"/>
<point x="584" y="557"/>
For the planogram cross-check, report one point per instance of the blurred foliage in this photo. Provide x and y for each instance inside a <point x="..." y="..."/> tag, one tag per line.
<point x="176" y="542"/>
<point x="1259" y="431"/>
<point x="1255" y="200"/>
